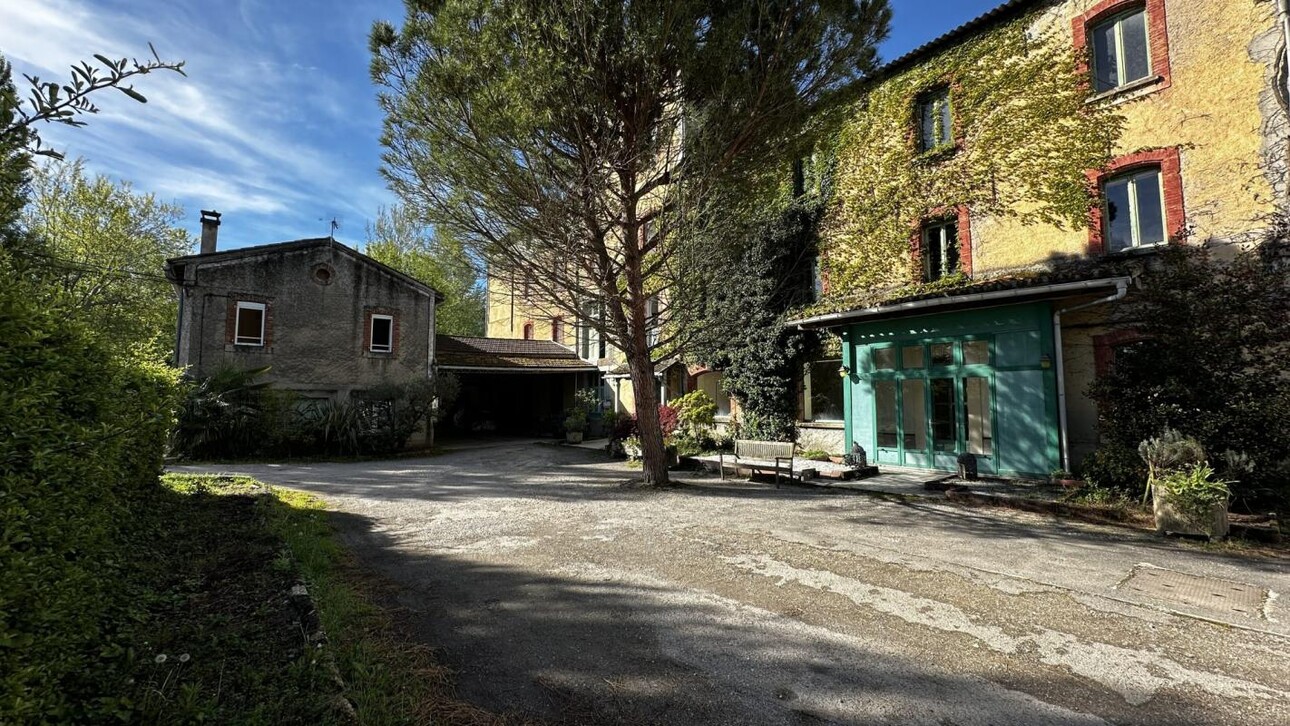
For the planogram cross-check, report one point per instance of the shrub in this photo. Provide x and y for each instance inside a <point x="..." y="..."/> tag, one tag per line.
<point x="233" y="414"/>
<point x="84" y="432"/>
<point x="668" y="419"/>
<point x="696" y="413"/>
<point x="1211" y="361"/>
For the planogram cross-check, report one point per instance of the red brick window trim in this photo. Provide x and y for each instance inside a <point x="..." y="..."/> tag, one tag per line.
<point x="1160" y="75"/>
<point x="236" y="304"/>
<point x="1104" y="347"/>
<point x="557" y="329"/>
<point x="528" y="330"/>
<point x="963" y="232"/>
<point x="1169" y="162"/>
<point x="381" y="345"/>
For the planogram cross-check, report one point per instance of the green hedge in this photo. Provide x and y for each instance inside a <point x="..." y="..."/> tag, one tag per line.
<point x="82" y="435"/>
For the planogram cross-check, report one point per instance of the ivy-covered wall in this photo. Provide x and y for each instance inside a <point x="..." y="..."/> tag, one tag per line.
<point x="1027" y="131"/>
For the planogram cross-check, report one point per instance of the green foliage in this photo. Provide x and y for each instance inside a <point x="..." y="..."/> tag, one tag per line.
<point x="84" y="432"/>
<point x="1210" y="364"/>
<point x="747" y="340"/>
<point x="1025" y="137"/>
<point x="436" y="258"/>
<point x="548" y="138"/>
<point x="15" y="159"/>
<point x="696" y="413"/>
<point x="104" y="247"/>
<point x="1170" y="451"/>
<point x="1194" y="491"/>
<point x="67" y="102"/>
<point x="234" y="415"/>
<point x="586" y="402"/>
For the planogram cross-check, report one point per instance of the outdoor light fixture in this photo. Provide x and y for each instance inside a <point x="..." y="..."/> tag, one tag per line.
<point x="844" y="371"/>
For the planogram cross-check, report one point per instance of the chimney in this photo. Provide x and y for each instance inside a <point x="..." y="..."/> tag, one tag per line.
<point x="210" y="230"/>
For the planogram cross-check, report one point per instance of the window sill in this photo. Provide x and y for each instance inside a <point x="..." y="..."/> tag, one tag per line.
<point x="1130" y="91"/>
<point x="822" y="424"/>
<point x="1139" y="251"/>
<point x="936" y="155"/>
<point x="247" y="348"/>
<point x="377" y="354"/>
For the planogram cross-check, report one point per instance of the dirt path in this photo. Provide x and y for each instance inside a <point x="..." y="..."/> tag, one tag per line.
<point x="556" y="592"/>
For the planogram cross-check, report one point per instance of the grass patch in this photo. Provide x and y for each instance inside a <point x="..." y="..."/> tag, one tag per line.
<point x="223" y="642"/>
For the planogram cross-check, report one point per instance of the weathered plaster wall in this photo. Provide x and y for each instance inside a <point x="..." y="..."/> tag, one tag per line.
<point x="1216" y="108"/>
<point x="318" y="331"/>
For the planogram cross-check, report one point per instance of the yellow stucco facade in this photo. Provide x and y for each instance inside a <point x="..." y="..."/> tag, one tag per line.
<point x="1217" y="108"/>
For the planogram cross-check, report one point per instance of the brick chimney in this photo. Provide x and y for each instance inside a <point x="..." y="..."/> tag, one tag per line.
<point x="210" y="230"/>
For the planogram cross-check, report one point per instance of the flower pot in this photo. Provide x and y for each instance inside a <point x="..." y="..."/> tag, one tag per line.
<point x="573" y="437"/>
<point x="1175" y="519"/>
<point x="837" y="460"/>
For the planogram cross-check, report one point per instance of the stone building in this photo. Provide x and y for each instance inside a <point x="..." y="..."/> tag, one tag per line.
<point x="997" y="363"/>
<point x="327" y="320"/>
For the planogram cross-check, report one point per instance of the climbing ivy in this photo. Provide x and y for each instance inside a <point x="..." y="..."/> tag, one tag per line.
<point x="1024" y="132"/>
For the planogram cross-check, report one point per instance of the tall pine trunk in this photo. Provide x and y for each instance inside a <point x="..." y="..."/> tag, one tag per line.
<point x="645" y="394"/>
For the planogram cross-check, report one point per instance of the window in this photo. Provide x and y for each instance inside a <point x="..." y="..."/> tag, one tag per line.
<point x="557" y="329"/>
<point x="528" y="331"/>
<point x="934" y="120"/>
<point x="1134" y="210"/>
<point x="817" y="277"/>
<point x="940" y="249"/>
<point x="824" y="391"/>
<point x="250" y="323"/>
<point x="884" y="359"/>
<point x="976" y="353"/>
<point x="652" y="320"/>
<point x="911" y="357"/>
<point x="1121" y="51"/>
<point x="382" y="334"/>
<point x="590" y="346"/>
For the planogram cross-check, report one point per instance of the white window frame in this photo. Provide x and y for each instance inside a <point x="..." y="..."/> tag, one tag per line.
<point x="371" y="334"/>
<point x="256" y="341"/>
<point x="1135" y="218"/>
<point x="938" y="228"/>
<point x="1117" y="22"/>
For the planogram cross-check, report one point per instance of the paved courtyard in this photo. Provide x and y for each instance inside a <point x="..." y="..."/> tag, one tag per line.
<point x="559" y="592"/>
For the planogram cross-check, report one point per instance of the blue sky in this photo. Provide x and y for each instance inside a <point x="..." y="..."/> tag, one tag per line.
<point x="276" y="125"/>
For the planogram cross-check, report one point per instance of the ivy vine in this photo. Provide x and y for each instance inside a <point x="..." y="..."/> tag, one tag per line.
<point x="1024" y="134"/>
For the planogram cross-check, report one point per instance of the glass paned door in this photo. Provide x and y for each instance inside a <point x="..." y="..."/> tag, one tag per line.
<point x="945" y="421"/>
<point x="913" y="421"/>
<point x="976" y="408"/>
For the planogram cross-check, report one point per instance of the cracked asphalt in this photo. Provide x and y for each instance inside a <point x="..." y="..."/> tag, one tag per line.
<point x="560" y="592"/>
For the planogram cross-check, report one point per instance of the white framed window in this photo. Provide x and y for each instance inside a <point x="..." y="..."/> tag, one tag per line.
<point x="940" y="249"/>
<point x="249" y="323"/>
<point x="934" y="120"/>
<point x="1121" y="50"/>
<point x="382" y="334"/>
<point x="652" y="320"/>
<point x="1133" y="210"/>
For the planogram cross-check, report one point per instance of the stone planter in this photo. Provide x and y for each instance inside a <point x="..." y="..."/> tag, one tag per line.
<point x="573" y="437"/>
<point x="1172" y="519"/>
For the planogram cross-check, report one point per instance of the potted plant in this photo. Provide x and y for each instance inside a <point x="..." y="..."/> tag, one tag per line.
<point x="1065" y="479"/>
<point x="1191" y="501"/>
<point x="1185" y="496"/>
<point x="574" y="425"/>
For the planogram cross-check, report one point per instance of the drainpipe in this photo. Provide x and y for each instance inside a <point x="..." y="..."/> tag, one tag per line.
<point x="1121" y="289"/>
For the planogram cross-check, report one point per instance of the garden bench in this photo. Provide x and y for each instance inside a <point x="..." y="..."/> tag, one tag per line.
<point x="761" y="456"/>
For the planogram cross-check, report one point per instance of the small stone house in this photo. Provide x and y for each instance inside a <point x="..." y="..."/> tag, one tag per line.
<point x="326" y="319"/>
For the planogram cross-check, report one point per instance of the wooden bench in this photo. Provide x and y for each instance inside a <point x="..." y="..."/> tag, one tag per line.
<point x="761" y="456"/>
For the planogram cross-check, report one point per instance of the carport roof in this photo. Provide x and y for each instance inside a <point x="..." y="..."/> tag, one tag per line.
<point x="457" y="352"/>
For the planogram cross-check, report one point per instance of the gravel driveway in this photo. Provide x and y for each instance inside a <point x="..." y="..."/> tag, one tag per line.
<point x="560" y="593"/>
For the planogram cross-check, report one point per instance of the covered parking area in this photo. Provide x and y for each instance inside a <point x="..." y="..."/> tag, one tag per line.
<point x="510" y="387"/>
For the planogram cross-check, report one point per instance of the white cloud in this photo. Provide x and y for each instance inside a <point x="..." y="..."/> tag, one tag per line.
<point x="257" y="128"/>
